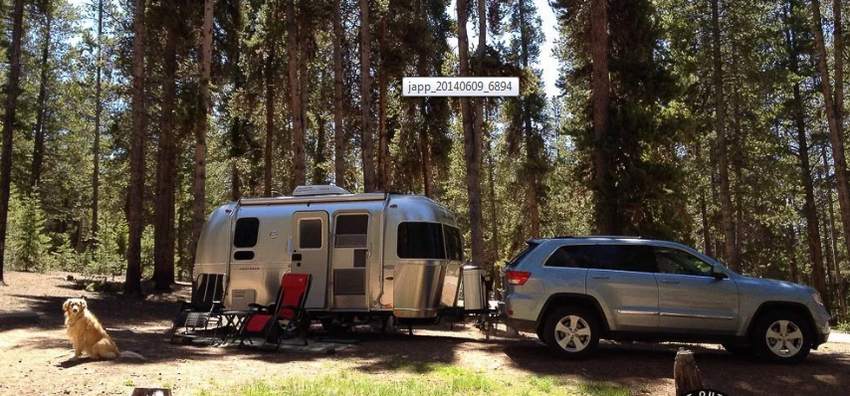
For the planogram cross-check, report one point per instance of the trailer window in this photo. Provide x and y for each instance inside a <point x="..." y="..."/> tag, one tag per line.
<point x="454" y="245"/>
<point x="418" y="240"/>
<point x="310" y="234"/>
<point x="351" y="231"/>
<point x="247" y="229"/>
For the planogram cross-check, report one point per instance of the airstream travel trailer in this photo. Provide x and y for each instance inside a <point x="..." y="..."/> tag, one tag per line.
<point x="369" y="254"/>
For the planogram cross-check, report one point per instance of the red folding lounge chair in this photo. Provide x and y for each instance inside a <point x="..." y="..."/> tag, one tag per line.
<point x="284" y="319"/>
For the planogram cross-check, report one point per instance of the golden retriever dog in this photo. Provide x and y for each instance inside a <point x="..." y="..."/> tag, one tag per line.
<point x="87" y="335"/>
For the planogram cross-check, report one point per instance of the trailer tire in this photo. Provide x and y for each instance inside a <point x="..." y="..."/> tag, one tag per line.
<point x="572" y="332"/>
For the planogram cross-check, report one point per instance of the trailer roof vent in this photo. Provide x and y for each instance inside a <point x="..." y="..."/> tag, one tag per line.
<point x="302" y="191"/>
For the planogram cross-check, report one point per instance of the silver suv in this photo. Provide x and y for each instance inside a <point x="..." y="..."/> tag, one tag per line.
<point x="572" y="291"/>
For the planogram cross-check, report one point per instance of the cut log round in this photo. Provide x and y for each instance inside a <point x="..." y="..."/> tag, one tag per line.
<point x="151" y="392"/>
<point x="686" y="373"/>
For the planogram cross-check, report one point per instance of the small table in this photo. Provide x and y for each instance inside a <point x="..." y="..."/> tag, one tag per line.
<point x="233" y="320"/>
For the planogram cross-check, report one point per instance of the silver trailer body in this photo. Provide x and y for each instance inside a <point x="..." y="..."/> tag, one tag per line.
<point x="367" y="253"/>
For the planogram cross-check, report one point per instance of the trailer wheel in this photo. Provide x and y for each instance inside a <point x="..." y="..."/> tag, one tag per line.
<point x="572" y="332"/>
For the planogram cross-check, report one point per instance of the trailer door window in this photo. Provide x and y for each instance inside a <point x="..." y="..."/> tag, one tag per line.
<point x="419" y="240"/>
<point x="247" y="229"/>
<point x="310" y="234"/>
<point x="454" y="245"/>
<point x="351" y="231"/>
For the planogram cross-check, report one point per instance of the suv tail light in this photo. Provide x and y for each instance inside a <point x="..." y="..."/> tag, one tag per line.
<point x="517" y="278"/>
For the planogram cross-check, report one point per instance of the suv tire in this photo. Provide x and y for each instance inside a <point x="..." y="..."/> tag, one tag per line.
<point x="572" y="332"/>
<point x="782" y="337"/>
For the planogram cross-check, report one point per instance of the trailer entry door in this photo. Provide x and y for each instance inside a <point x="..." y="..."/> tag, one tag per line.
<point x="310" y="253"/>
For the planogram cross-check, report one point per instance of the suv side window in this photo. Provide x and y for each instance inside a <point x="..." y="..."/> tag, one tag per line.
<point x="675" y="261"/>
<point x="575" y="256"/>
<point x="637" y="258"/>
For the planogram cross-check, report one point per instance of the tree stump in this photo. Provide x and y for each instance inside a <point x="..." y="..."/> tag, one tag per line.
<point x="151" y="392"/>
<point x="686" y="373"/>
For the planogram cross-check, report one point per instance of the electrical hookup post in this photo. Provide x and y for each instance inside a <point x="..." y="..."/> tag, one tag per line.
<point x="460" y="86"/>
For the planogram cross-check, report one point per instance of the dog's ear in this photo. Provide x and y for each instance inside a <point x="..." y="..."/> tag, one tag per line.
<point x="83" y="298"/>
<point x="65" y="305"/>
<point x="83" y="304"/>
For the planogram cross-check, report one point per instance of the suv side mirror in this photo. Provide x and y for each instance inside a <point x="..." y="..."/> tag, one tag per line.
<point x="717" y="272"/>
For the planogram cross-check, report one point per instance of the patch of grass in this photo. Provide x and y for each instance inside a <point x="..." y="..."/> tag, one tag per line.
<point x="598" y="389"/>
<point x="420" y="380"/>
<point x="844" y="327"/>
<point x="129" y="383"/>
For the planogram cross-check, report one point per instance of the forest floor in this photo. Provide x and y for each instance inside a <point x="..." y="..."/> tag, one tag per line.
<point x="33" y="360"/>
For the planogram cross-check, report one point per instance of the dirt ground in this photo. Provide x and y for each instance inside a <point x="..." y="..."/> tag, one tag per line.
<point x="33" y="359"/>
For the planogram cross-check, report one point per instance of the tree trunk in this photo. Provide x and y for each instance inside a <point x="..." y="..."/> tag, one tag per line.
<point x="494" y="223"/>
<point x="339" y="134"/>
<point x="738" y="142"/>
<point x="200" y="174"/>
<point x="793" y="268"/>
<point x="722" y="158"/>
<point x="833" y="239"/>
<point x="471" y="144"/>
<point x="306" y="47"/>
<point x="838" y="43"/>
<point x="237" y="134"/>
<point x="268" y="152"/>
<point x="366" y="139"/>
<point x="12" y="92"/>
<point x="164" y="208"/>
<point x="532" y="146"/>
<point x="835" y="134"/>
<point x="294" y="96"/>
<point x="319" y="175"/>
<point x="135" y="192"/>
<point x="703" y="208"/>
<point x="97" y="113"/>
<point x="809" y="206"/>
<point x="383" y="176"/>
<point x="424" y="130"/>
<point x="38" y="141"/>
<point x="606" y="203"/>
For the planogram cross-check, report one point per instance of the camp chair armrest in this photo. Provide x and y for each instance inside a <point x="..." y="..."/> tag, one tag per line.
<point x="254" y="307"/>
<point x="185" y="306"/>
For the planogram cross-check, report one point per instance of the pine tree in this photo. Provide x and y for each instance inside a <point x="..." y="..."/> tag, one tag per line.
<point x="135" y="193"/>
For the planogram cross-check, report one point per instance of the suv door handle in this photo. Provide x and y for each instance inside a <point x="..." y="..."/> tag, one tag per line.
<point x="599" y="276"/>
<point x="672" y="282"/>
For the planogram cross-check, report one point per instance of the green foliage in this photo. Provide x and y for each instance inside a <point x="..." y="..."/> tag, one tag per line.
<point x="643" y="142"/>
<point x="28" y="242"/>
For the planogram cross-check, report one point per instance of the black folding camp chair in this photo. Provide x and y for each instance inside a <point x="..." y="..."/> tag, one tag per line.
<point x="196" y="318"/>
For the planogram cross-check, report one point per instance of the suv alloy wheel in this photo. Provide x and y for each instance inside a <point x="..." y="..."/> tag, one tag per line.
<point x="572" y="332"/>
<point x="782" y="337"/>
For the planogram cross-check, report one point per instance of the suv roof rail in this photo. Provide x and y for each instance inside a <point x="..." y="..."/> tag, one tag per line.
<point x="599" y="236"/>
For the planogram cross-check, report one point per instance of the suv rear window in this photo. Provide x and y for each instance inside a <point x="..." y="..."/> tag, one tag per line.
<point x="570" y="256"/>
<point x="524" y="252"/>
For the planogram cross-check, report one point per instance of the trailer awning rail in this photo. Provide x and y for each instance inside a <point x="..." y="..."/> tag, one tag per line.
<point x="313" y="199"/>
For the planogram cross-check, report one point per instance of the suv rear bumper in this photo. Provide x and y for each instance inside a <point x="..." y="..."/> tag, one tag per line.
<point x="521" y="325"/>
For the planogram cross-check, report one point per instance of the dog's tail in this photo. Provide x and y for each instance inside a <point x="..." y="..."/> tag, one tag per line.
<point x="131" y="355"/>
